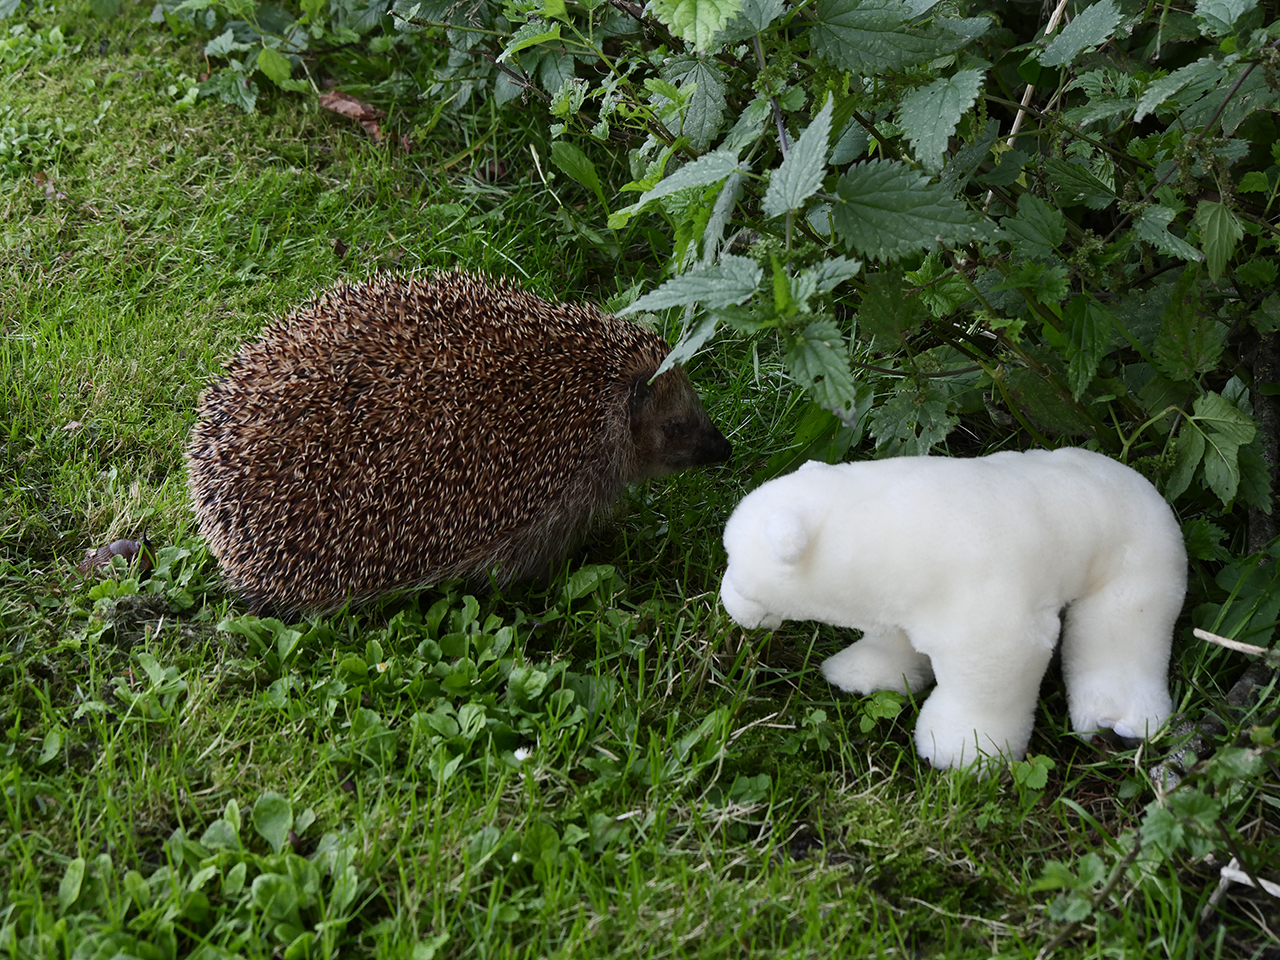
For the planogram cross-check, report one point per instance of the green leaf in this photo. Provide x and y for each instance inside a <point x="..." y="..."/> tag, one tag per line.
<point x="1152" y="225"/>
<point x="911" y="423"/>
<point x="696" y="21"/>
<point x="69" y="887"/>
<point x="929" y="115"/>
<point x="871" y="37"/>
<point x="1267" y="317"/>
<point x="1091" y="28"/>
<point x="819" y="360"/>
<point x="272" y="818"/>
<point x="578" y="165"/>
<point x="1190" y="451"/>
<point x="1166" y="87"/>
<point x="799" y="175"/>
<point x="530" y="34"/>
<point x="52" y="744"/>
<point x="1255" y="181"/>
<point x="1225" y="430"/>
<point x="887" y="211"/>
<point x="731" y="281"/>
<point x="886" y="314"/>
<point x="104" y="9"/>
<point x="275" y="65"/>
<point x="1087" y="325"/>
<point x="1191" y="338"/>
<point x="1219" y="233"/>
<point x="1037" y="229"/>
<point x="1255" y="477"/>
<point x="831" y="273"/>
<point x="707" y="169"/>
<point x="1073" y="184"/>
<point x="755" y="17"/>
<point x="223" y="44"/>
<point x="1217" y="18"/>
<point x="702" y="80"/>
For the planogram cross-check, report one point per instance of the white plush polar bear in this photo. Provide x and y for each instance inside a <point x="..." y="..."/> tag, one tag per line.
<point x="959" y="569"/>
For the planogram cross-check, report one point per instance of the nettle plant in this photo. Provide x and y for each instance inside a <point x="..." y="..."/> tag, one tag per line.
<point x="942" y="211"/>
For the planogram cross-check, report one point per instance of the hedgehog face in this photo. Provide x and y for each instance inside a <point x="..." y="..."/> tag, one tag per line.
<point x="670" y="428"/>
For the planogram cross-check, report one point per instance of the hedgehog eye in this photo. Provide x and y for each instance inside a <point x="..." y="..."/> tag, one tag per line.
<point x="675" y="429"/>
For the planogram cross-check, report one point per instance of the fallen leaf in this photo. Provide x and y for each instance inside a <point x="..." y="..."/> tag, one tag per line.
<point x="347" y="105"/>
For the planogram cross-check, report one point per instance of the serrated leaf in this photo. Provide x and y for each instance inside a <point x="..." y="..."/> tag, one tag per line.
<point x="910" y="424"/>
<point x="696" y="21"/>
<point x="886" y="313"/>
<point x="1092" y="27"/>
<point x="579" y="166"/>
<point x="1190" y="340"/>
<point x="1166" y="87"/>
<point x="1225" y="429"/>
<point x="1218" y="17"/>
<point x="1073" y="183"/>
<point x="1255" y="181"/>
<point x="702" y="78"/>
<point x="1152" y="225"/>
<point x="707" y="169"/>
<point x="1087" y="327"/>
<point x="819" y="360"/>
<point x="1037" y="228"/>
<point x="887" y="211"/>
<point x="223" y="44"/>
<point x="1255" y="478"/>
<point x="362" y="19"/>
<point x="275" y="65"/>
<point x="731" y="281"/>
<point x="871" y="37"/>
<point x="929" y="115"/>
<point x="754" y="17"/>
<point x="1217" y="414"/>
<point x="1267" y="317"/>
<point x="273" y="818"/>
<point x="831" y="273"/>
<point x="799" y="175"/>
<point x="690" y="343"/>
<point x="1219" y="233"/>
<point x="529" y="34"/>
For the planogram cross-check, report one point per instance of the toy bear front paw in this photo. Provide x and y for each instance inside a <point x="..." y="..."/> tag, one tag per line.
<point x="884" y="661"/>
<point x="954" y="733"/>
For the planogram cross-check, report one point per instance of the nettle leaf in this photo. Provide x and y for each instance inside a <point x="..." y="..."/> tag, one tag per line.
<point x="1218" y="17"/>
<point x="755" y="17"/>
<point x="1225" y="430"/>
<point x="1087" y="327"/>
<point x="703" y="79"/>
<point x="731" y="281"/>
<point x="887" y="314"/>
<point x="1037" y="229"/>
<point x="799" y="176"/>
<point x="1204" y="69"/>
<point x="579" y="166"/>
<point x="911" y="423"/>
<point x="929" y="115"/>
<point x="529" y="34"/>
<point x="1091" y="28"/>
<point x="696" y="21"/>
<point x="275" y="65"/>
<point x="707" y="169"/>
<point x="870" y="37"/>
<point x="1219" y="233"/>
<point x="1073" y="183"/>
<point x="887" y="211"/>
<point x="819" y="360"/>
<point x="831" y="273"/>
<point x="1152" y="225"/>
<point x="224" y="44"/>
<point x="1189" y="449"/>
<point x="1191" y="339"/>
<point x="692" y="341"/>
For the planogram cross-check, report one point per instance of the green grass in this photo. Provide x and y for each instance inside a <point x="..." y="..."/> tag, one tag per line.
<point x="177" y="779"/>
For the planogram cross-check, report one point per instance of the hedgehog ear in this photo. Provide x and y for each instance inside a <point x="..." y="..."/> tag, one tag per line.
<point x="641" y="394"/>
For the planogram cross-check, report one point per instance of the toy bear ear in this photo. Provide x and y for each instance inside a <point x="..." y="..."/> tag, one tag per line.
<point x="786" y="534"/>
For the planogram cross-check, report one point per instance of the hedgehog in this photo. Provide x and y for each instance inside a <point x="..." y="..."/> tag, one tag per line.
<point x="407" y="431"/>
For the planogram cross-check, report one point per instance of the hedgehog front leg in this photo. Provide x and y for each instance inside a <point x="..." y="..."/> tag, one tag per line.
<point x="988" y="684"/>
<point x="1115" y="657"/>
<point x="882" y="660"/>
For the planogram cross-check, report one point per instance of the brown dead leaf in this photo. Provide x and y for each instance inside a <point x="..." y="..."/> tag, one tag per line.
<point x="366" y="114"/>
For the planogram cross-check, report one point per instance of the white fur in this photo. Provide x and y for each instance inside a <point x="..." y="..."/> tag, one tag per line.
<point x="958" y="569"/>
